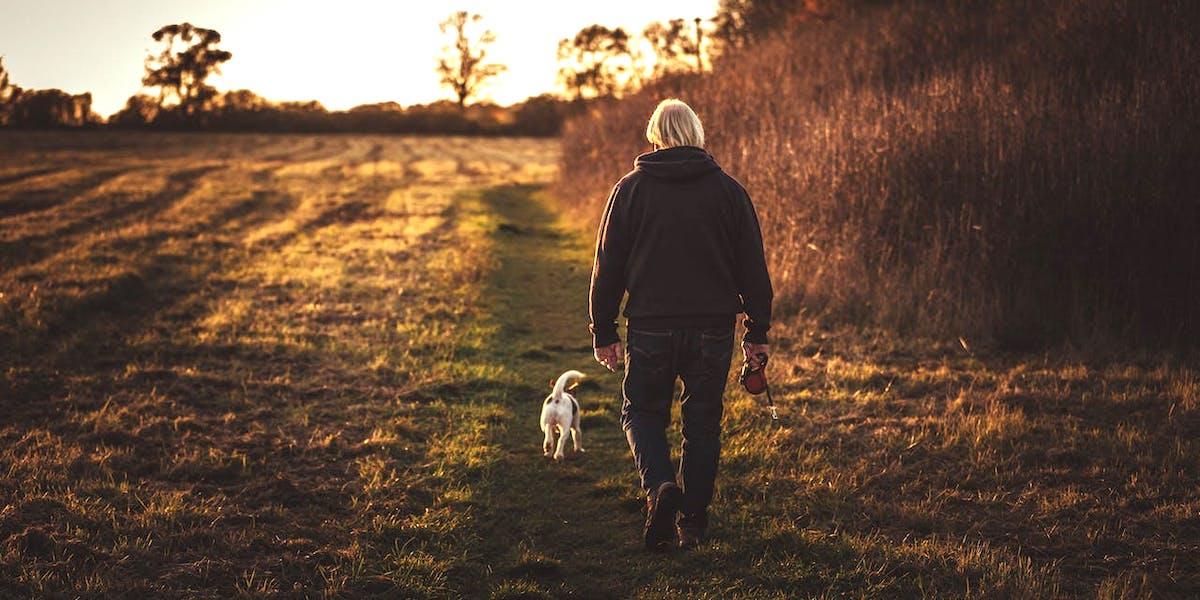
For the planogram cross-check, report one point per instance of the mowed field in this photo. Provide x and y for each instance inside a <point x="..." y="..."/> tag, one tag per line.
<point x="311" y="366"/>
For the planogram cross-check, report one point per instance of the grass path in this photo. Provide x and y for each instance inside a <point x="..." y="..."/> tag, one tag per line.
<point x="572" y="528"/>
<point x="565" y="527"/>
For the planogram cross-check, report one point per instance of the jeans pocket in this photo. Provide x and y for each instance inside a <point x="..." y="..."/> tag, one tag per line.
<point x="649" y="351"/>
<point x="716" y="346"/>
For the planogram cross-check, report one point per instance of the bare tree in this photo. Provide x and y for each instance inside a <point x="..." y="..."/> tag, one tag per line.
<point x="591" y="62"/>
<point x="189" y="56"/>
<point x="462" y="64"/>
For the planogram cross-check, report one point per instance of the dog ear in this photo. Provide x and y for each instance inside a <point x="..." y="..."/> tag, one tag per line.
<point x="552" y="383"/>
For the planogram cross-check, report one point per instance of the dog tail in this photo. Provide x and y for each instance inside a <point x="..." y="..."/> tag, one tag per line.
<point x="564" y="380"/>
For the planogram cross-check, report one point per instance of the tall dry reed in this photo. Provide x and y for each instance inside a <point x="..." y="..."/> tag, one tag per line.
<point x="1017" y="171"/>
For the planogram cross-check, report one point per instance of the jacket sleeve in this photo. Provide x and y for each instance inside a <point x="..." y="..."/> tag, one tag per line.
<point x="753" y="280"/>
<point x="608" y="271"/>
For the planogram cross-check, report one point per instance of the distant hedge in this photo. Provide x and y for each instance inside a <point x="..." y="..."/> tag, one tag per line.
<point x="242" y="110"/>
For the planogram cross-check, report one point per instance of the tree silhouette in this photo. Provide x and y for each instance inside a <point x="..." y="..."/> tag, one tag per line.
<point x="740" y="22"/>
<point x="591" y="61"/>
<point x="9" y="94"/>
<point x="189" y="56"/>
<point x="42" y="108"/>
<point x="677" y="46"/>
<point x="52" y="108"/>
<point x="6" y="87"/>
<point x="140" y="111"/>
<point x="242" y="101"/>
<point x="462" y="65"/>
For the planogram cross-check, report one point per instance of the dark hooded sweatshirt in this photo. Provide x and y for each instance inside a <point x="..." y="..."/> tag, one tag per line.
<point x="683" y="239"/>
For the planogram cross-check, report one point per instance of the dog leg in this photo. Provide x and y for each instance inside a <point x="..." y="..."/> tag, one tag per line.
<point x="560" y="452"/>
<point x="577" y="437"/>
<point x="548" y="443"/>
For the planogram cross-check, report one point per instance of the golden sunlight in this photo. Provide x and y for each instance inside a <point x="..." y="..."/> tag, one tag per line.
<point x="340" y="54"/>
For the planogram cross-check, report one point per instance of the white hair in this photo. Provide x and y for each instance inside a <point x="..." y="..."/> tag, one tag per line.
<point x="674" y="123"/>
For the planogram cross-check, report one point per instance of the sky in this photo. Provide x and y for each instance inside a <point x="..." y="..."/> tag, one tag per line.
<point x="341" y="53"/>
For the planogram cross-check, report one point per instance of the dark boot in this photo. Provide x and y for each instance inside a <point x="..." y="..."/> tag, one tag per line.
<point x="661" y="509"/>
<point x="692" y="530"/>
<point x="690" y="538"/>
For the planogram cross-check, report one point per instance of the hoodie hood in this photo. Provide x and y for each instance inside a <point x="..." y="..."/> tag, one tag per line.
<point x="676" y="164"/>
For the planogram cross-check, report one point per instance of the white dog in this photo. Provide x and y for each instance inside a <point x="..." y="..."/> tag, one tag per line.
<point x="560" y="416"/>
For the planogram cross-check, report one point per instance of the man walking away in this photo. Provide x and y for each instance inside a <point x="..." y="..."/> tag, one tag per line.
<point x="683" y="239"/>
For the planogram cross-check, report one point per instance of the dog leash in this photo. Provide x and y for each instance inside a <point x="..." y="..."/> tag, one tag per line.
<point x="754" y="381"/>
<point x="771" y="405"/>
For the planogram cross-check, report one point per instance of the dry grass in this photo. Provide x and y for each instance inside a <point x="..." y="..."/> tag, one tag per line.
<point x="308" y="367"/>
<point x="1013" y="171"/>
<point x="1033" y="475"/>
<point x="216" y="354"/>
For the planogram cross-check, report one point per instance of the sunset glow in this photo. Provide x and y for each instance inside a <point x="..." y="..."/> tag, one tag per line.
<point x="732" y="299"/>
<point x="339" y="53"/>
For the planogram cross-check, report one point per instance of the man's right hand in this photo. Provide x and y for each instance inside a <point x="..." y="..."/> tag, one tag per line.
<point x="751" y="351"/>
<point x="611" y="356"/>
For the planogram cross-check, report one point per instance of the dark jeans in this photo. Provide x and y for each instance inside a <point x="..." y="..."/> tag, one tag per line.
<point x="701" y="358"/>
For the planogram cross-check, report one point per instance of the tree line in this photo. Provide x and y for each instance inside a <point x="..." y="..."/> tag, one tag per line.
<point x="596" y="63"/>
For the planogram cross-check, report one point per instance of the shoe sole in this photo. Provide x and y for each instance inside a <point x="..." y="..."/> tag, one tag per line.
<point x="662" y="523"/>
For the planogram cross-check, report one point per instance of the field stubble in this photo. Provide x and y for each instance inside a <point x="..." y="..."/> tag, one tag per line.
<point x="215" y="348"/>
<point x="310" y="366"/>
